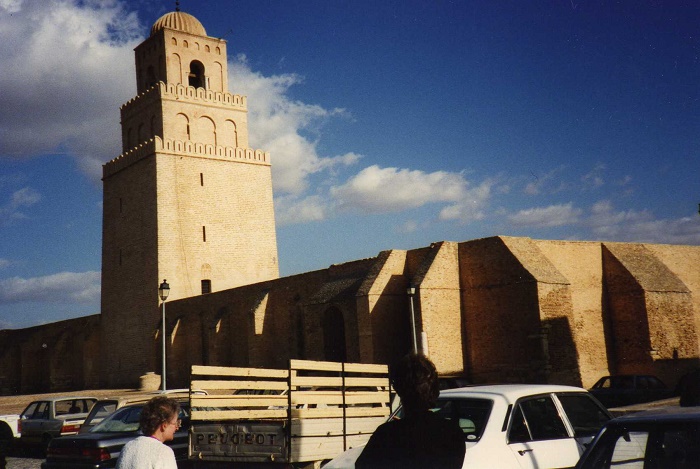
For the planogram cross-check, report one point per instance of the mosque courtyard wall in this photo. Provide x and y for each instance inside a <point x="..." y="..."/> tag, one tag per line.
<point x="498" y="309"/>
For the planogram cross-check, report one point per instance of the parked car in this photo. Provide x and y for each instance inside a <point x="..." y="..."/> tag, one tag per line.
<point x="667" y="438"/>
<point x="622" y="390"/>
<point x="516" y="426"/>
<point x="43" y="420"/>
<point x="105" y="407"/>
<point x="100" y="447"/>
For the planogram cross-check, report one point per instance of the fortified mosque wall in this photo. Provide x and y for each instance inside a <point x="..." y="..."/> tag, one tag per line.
<point x="498" y="309"/>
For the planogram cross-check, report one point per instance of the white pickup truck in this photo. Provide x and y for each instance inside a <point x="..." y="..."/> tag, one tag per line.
<point x="9" y="422"/>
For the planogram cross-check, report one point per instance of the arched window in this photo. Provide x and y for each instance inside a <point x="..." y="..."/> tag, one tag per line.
<point x="333" y="326"/>
<point x="229" y="134"/>
<point x="204" y="131"/>
<point x="182" y="128"/>
<point x="196" y="76"/>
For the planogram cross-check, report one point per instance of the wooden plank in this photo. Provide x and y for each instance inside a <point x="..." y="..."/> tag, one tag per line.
<point x="241" y="401"/>
<point x="236" y="385"/>
<point x="321" y="448"/>
<point x="243" y="372"/>
<point x="324" y="412"/>
<point x="338" y="367"/>
<point x="336" y="397"/>
<point x="255" y="414"/>
<point x="315" y="365"/>
<point x="366" y="368"/>
<point x="335" y="427"/>
<point x="333" y="381"/>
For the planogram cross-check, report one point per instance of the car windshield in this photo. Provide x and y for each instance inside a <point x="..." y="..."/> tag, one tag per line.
<point x="100" y="411"/>
<point x="126" y="420"/>
<point x="470" y="413"/>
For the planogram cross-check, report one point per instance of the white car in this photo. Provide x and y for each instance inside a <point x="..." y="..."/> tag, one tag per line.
<point x="518" y="426"/>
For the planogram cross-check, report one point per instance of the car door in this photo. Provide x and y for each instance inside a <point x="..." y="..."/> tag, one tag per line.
<point x="538" y="436"/>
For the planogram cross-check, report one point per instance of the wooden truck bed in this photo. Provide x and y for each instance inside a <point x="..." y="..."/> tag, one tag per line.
<point x="312" y="411"/>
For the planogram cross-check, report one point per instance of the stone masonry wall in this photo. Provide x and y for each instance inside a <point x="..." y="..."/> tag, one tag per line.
<point x="581" y="264"/>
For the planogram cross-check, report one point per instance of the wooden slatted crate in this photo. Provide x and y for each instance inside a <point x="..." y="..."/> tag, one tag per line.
<point x="320" y="409"/>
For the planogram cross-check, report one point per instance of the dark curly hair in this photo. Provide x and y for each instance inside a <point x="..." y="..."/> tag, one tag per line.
<point x="416" y="381"/>
<point x="156" y="412"/>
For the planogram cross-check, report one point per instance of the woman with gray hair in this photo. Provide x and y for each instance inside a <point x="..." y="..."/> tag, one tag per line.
<point x="159" y="422"/>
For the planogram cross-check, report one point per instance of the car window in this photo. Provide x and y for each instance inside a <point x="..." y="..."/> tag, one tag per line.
<point x="42" y="411"/>
<point x="101" y="410"/>
<point x="675" y="446"/>
<point x="29" y="411"/>
<point x="584" y="414"/>
<point x="471" y="414"/>
<point x="125" y="419"/>
<point x="536" y="419"/>
<point x="603" y="383"/>
<point x="623" y="382"/>
<point x="655" y="383"/>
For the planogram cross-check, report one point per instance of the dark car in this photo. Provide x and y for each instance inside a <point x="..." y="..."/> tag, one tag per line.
<point x="100" y="447"/>
<point x="667" y="438"/>
<point x="622" y="390"/>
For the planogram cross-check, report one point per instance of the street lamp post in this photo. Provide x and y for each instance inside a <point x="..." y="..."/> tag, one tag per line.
<point x="412" y="291"/>
<point x="163" y="291"/>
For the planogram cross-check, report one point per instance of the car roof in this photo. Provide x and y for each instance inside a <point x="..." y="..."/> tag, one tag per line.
<point x="145" y="397"/>
<point x="663" y="414"/>
<point x="509" y="391"/>
<point x="64" y="398"/>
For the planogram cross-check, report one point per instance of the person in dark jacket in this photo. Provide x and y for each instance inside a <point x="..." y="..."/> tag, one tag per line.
<point x="421" y="439"/>
<point x="6" y="438"/>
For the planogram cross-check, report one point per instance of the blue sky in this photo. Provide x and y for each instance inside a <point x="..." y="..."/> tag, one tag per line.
<point x="391" y="124"/>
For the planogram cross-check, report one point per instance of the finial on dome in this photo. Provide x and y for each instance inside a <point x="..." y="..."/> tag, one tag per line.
<point x="177" y="6"/>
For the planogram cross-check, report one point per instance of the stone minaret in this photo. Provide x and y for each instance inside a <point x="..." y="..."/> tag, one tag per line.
<point x="186" y="201"/>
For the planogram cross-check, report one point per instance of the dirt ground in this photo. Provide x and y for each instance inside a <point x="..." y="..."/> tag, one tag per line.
<point x="16" y="404"/>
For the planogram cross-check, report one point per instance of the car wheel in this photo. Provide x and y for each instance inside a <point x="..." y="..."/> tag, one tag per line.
<point x="45" y="440"/>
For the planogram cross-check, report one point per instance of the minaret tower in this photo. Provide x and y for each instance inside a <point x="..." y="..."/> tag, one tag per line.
<point x="186" y="201"/>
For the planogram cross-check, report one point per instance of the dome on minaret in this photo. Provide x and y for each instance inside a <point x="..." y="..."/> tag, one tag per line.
<point x="179" y="21"/>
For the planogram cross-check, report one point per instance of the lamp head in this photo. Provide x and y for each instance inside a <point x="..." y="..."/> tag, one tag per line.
<point x="164" y="290"/>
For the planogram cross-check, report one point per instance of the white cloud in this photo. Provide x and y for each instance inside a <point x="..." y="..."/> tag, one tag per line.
<point x="385" y="190"/>
<point x="64" y="287"/>
<point x="276" y="123"/>
<point x="290" y="210"/>
<point x="546" y="217"/>
<point x="69" y="65"/>
<point x="12" y="209"/>
<point x="641" y="226"/>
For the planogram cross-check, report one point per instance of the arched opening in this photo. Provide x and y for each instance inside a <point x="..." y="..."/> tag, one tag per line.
<point x="333" y="327"/>
<point x="150" y="77"/>
<point x="196" y="75"/>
